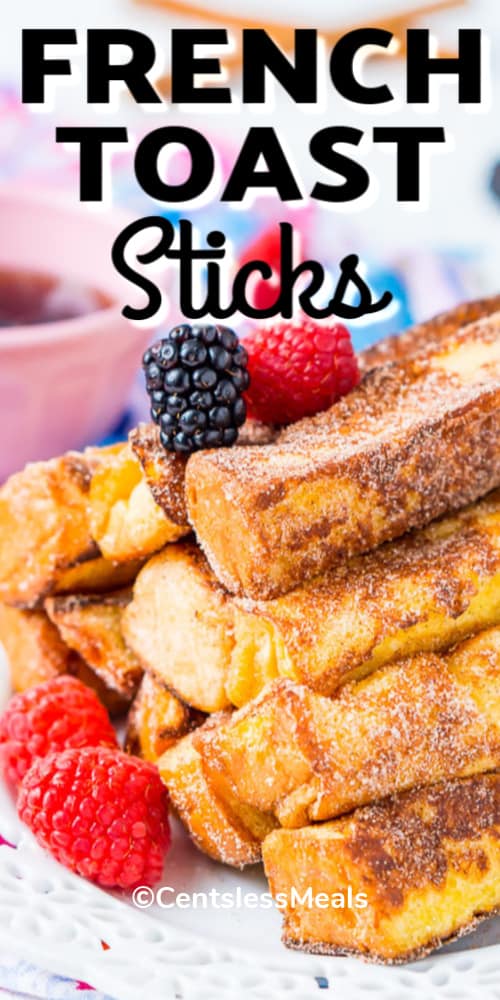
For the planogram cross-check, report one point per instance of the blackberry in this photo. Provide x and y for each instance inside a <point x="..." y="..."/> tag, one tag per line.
<point x="195" y="378"/>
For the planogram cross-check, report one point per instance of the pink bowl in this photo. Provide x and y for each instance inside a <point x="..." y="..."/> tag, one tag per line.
<point x="63" y="384"/>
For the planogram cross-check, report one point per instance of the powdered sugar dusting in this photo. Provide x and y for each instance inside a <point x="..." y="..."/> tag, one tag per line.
<point x="411" y="723"/>
<point x="411" y="442"/>
<point x="331" y="625"/>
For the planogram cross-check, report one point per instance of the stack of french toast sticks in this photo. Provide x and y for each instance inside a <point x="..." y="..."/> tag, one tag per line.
<point x="305" y="631"/>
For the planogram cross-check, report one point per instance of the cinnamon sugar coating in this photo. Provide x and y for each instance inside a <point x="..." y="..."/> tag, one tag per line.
<point x="303" y="758"/>
<point x="421" y="593"/>
<point x="427" y="861"/>
<point x="421" y="336"/>
<point x="415" y="440"/>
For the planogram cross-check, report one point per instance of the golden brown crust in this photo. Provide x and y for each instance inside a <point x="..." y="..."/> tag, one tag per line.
<point x="305" y="758"/>
<point x="178" y="625"/>
<point x="423" y="336"/>
<point x="66" y="604"/>
<point x="412" y="955"/>
<point x="427" y="818"/>
<point x="96" y="576"/>
<point x="412" y="442"/>
<point x="36" y="652"/>
<point x="222" y="828"/>
<point x="157" y="719"/>
<point x="34" y="647"/>
<point x="124" y="518"/>
<point x="44" y="527"/>
<point x="163" y="471"/>
<point x="428" y="862"/>
<point x="47" y="542"/>
<point x="416" y="594"/>
<point x="91" y="625"/>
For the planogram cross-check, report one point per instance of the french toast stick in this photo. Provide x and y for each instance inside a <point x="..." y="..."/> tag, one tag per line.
<point x="178" y="625"/>
<point x="82" y="522"/>
<point x="427" y="862"/>
<point x="48" y="544"/>
<point x="43" y="509"/>
<point x="124" y="518"/>
<point x="43" y="514"/>
<point x="35" y="650"/>
<point x="91" y="625"/>
<point x="304" y="758"/>
<point x="137" y="500"/>
<point x="164" y="471"/>
<point x="157" y="719"/>
<point x="412" y="442"/>
<point x="422" y="336"/>
<point x="224" y="829"/>
<point x="36" y="653"/>
<point x="421" y="593"/>
<point x="137" y="505"/>
<point x="44" y="527"/>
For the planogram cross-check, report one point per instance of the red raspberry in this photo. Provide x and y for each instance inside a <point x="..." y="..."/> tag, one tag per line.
<point x="298" y="369"/>
<point x="57" y="714"/>
<point x="99" y="812"/>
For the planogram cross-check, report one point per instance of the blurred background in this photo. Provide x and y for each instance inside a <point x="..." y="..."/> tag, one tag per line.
<point x="67" y="385"/>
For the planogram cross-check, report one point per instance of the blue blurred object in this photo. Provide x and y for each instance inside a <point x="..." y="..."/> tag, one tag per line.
<point x="396" y="317"/>
<point x="120" y="432"/>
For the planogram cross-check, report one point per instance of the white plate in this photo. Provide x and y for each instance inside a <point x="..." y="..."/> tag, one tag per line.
<point x="58" y="921"/>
